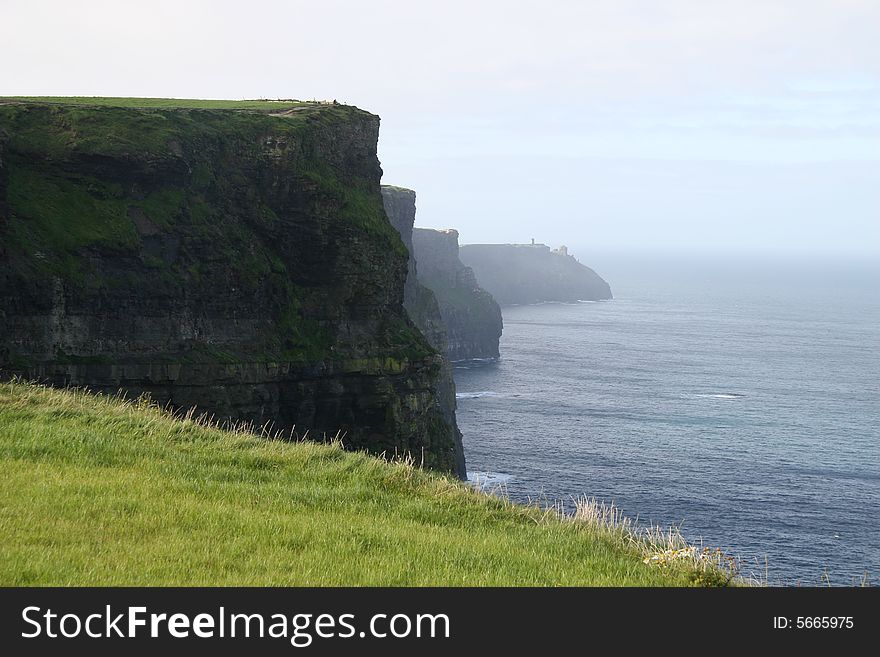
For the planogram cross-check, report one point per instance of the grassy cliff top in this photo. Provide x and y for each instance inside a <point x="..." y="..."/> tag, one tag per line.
<point x="100" y="492"/>
<point x="104" y="113"/>
<point x="168" y="103"/>
<point x="58" y="187"/>
<point x="56" y="126"/>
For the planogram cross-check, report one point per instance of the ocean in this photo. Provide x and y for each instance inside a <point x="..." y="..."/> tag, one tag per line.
<point x="739" y="399"/>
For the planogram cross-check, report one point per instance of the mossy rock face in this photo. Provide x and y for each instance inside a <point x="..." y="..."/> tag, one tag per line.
<point x="140" y="234"/>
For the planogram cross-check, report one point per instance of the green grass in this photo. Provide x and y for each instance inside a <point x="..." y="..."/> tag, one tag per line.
<point x="56" y="126"/>
<point x="164" y="103"/>
<point x="99" y="492"/>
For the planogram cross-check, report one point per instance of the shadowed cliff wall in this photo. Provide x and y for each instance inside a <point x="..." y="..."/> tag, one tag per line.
<point x="471" y="316"/>
<point x="237" y="261"/>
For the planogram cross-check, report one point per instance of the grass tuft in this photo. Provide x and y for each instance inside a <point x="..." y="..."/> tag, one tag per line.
<point x="661" y="547"/>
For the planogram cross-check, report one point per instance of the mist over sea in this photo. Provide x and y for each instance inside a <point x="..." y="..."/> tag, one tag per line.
<point x="739" y="398"/>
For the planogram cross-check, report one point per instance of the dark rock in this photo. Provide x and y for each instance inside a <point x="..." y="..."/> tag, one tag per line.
<point x="470" y="315"/>
<point x="420" y="303"/>
<point x="533" y="273"/>
<point x="228" y="260"/>
<point x="4" y="180"/>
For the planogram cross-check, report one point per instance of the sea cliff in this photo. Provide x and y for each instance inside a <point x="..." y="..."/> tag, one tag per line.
<point x="419" y="301"/>
<point x="235" y="260"/>
<point x="533" y="273"/>
<point x="471" y="317"/>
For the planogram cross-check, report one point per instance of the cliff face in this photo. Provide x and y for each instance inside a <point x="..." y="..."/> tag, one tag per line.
<point x="532" y="273"/>
<point x="4" y="181"/>
<point x="236" y="261"/>
<point x="420" y="303"/>
<point x="471" y="316"/>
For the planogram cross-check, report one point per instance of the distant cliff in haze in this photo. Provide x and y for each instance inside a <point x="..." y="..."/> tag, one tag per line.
<point x="441" y="295"/>
<point x="471" y="316"/>
<point x="532" y="273"/>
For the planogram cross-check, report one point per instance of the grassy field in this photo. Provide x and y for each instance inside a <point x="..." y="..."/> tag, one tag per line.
<point x="100" y="492"/>
<point x="163" y="103"/>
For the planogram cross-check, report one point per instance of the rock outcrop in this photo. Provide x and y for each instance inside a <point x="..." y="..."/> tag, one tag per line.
<point x="471" y="316"/>
<point x="237" y="261"/>
<point x="533" y="273"/>
<point x="419" y="301"/>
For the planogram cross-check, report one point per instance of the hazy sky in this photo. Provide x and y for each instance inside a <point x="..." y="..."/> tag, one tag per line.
<point x="615" y="123"/>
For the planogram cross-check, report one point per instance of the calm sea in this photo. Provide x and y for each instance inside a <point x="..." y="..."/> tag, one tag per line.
<point x="737" y="399"/>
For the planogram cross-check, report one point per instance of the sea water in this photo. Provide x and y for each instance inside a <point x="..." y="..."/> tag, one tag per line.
<point x="739" y="400"/>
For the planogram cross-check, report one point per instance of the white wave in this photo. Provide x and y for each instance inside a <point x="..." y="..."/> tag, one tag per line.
<point x="487" y="480"/>
<point x="476" y="395"/>
<point x="720" y="395"/>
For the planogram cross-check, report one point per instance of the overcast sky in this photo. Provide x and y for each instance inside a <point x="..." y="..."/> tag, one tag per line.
<point x="619" y="124"/>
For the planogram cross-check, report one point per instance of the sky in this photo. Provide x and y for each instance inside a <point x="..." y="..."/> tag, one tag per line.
<point x="688" y="125"/>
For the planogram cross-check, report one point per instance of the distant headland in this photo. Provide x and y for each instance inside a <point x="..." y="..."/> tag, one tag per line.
<point x="533" y="273"/>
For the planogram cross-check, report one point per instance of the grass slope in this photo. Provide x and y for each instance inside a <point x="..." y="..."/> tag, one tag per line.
<point x="100" y="492"/>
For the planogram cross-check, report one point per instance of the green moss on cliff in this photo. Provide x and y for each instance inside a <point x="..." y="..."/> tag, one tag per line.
<point x="407" y="343"/>
<point x="358" y="205"/>
<point x="164" y="206"/>
<point x="61" y="214"/>
<point x="148" y="137"/>
<point x="302" y="339"/>
<point x="103" y="173"/>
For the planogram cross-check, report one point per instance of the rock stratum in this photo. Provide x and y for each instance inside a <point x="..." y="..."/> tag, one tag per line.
<point x="234" y="260"/>
<point x="533" y="273"/>
<point x="471" y="317"/>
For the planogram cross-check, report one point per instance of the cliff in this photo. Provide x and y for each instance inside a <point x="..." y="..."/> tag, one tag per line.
<point x="237" y="260"/>
<point x="470" y="315"/>
<point x="419" y="301"/>
<point x="532" y="273"/>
